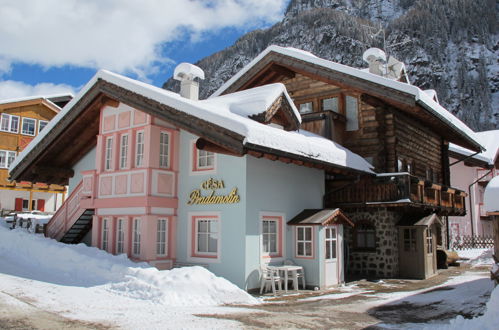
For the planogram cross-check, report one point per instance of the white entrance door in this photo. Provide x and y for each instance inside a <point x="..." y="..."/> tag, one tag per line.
<point x="331" y="255"/>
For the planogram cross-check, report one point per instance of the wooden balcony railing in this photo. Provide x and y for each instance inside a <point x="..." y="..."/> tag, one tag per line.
<point x="398" y="189"/>
<point x="67" y="214"/>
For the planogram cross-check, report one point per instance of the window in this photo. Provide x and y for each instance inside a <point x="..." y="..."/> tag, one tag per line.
<point x="41" y="125"/>
<point x="6" y="158"/>
<point x="206" y="236"/>
<point x="120" y="236"/>
<point x="11" y="155"/>
<point x="330" y="243"/>
<point x="303" y="241"/>
<point x="28" y="127"/>
<point x="9" y="123"/>
<point x="105" y="233"/>
<point x="139" y="150"/>
<point x="429" y="240"/>
<point x="124" y="151"/>
<point x="136" y="237"/>
<point x="429" y="174"/>
<point x="269" y="236"/>
<point x="365" y="236"/>
<point x="410" y="240"/>
<point x="25" y="204"/>
<point x="109" y="154"/>
<point x="164" y="153"/>
<point x="352" y="113"/>
<point x="161" y="237"/>
<point x="3" y="159"/>
<point x="306" y="107"/>
<point x="205" y="159"/>
<point x="330" y="104"/>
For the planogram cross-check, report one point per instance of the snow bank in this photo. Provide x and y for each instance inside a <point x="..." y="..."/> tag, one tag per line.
<point x="477" y="257"/>
<point x="42" y="259"/>
<point x="491" y="195"/>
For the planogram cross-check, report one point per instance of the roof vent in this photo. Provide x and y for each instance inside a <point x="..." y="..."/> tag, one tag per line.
<point x="189" y="85"/>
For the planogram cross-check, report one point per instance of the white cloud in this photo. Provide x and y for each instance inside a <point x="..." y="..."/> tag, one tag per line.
<point x="10" y="89"/>
<point x="120" y="35"/>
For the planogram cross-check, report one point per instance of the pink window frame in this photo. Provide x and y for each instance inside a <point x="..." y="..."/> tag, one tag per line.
<point x="279" y="220"/>
<point x="170" y="140"/>
<point x="195" y="157"/>
<point x="194" y="232"/>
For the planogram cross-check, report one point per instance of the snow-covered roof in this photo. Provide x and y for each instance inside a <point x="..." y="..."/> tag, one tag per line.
<point x="35" y="97"/>
<point x="491" y="196"/>
<point x="489" y="139"/>
<point x="252" y="101"/>
<point x="230" y="112"/>
<point x="421" y="97"/>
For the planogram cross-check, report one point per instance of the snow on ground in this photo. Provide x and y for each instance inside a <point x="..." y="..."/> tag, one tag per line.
<point x="89" y="284"/>
<point x="477" y="257"/>
<point x="488" y="321"/>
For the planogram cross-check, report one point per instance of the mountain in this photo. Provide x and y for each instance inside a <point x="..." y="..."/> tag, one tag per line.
<point x="451" y="46"/>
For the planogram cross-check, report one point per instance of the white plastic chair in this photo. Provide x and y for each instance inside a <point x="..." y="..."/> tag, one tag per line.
<point x="299" y="273"/>
<point x="269" y="278"/>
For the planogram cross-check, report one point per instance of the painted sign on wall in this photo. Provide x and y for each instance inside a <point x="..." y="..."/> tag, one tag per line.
<point x="210" y="187"/>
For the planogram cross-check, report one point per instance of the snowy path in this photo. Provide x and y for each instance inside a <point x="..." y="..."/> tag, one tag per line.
<point x="392" y="304"/>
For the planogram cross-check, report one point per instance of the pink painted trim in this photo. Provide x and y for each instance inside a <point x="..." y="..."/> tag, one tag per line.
<point x="195" y="155"/>
<point x="139" y="201"/>
<point x="194" y="232"/>
<point x="279" y="220"/>
<point x="296" y="242"/>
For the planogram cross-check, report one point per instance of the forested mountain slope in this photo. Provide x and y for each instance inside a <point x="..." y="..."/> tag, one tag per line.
<point x="451" y="46"/>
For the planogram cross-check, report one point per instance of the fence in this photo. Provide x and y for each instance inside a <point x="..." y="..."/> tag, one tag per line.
<point x="472" y="242"/>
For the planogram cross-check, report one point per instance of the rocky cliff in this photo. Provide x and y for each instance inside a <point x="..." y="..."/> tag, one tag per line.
<point x="451" y="46"/>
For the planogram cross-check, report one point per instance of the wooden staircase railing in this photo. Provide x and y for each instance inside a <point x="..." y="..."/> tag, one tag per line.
<point x="67" y="214"/>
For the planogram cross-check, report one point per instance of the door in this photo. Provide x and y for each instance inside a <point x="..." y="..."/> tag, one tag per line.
<point x="331" y="262"/>
<point x="19" y="204"/>
<point x="431" y="255"/>
<point x="41" y="205"/>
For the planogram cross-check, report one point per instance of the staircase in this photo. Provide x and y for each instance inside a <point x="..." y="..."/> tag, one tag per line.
<point x="73" y="220"/>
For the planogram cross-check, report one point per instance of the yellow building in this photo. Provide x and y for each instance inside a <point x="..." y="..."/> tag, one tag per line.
<point x="20" y="121"/>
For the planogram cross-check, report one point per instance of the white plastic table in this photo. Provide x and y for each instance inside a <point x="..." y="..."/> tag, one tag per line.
<point x="286" y="269"/>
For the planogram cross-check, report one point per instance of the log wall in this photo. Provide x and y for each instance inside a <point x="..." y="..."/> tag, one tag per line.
<point x="419" y="146"/>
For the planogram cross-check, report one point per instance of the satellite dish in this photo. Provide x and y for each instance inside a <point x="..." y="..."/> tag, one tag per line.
<point x="374" y="54"/>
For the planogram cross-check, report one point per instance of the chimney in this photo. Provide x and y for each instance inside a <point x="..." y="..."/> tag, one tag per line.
<point x="188" y="75"/>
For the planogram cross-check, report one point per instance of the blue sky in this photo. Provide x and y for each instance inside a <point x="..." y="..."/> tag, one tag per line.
<point x="55" y="46"/>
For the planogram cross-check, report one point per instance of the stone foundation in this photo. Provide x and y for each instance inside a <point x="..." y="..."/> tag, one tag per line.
<point x="382" y="262"/>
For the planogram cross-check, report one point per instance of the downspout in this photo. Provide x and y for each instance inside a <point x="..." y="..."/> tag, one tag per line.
<point x="471" y="205"/>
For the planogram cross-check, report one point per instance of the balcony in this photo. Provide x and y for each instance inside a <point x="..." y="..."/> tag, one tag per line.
<point x="397" y="190"/>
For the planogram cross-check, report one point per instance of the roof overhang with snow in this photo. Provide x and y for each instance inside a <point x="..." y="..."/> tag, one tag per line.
<point x="275" y="63"/>
<point x="27" y="101"/>
<point x="488" y="158"/>
<point x="223" y="123"/>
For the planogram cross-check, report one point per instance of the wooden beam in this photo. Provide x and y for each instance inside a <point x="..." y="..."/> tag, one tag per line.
<point x="110" y="102"/>
<point x="255" y="154"/>
<point x="49" y="171"/>
<point x="203" y="144"/>
<point x="270" y="156"/>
